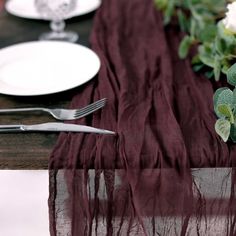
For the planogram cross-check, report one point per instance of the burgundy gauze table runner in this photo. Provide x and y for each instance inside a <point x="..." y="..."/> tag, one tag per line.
<point x="148" y="179"/>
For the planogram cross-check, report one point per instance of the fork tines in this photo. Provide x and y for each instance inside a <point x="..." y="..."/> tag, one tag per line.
<point x="90" y="108"/>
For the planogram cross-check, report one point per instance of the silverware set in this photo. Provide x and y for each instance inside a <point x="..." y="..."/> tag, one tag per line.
<point x="59" y="114"/>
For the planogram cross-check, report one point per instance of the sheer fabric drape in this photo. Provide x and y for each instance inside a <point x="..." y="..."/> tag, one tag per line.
<point x="164" y="173"/>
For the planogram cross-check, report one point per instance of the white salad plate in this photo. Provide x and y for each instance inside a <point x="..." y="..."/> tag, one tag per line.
<point x="26" y="8"/>
<point x="45" y="67"/>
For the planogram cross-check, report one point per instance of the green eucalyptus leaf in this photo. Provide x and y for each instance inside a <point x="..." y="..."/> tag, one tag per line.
<point x="220" y="45"/>
<point x="205" y="14"/>
<point x="198" y="67"/>
<point x="206" y="55"/>
<point x="224" y="69"/>
<point x="209" y="74"/>
<point x="208" y="33"/>
<point x="234" y="98"/>
<point x="183" y="22"/>
<point x="185" y="46"/>
<point x="196" y="59"/>
<point x="233" y="133"/>
<point x="161" y="4"/>
<point x="217" y="94"/>
<point x="215" y="6"/>
<point x="169" y="12"/>
<point x="222" y="128"/>
<point x="193" y="27"/>
<point x="217" y="68"/>
<point x="231" y="75"/>
<point x="226" y="110"/>
<point x="222" y="96"/>
<point x="225" y="66"/>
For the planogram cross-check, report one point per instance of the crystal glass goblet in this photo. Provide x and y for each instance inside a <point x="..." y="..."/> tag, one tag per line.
<point x="56" y="11"/>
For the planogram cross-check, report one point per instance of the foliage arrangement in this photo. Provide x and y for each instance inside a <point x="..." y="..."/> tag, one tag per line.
<point x="209" y="27"/>
<point x="225" y="108"/>
<point x="201" y="20"/>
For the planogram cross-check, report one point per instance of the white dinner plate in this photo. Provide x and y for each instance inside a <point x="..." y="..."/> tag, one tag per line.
<point x="26" y="9"/>
<point x="45" y="67"/>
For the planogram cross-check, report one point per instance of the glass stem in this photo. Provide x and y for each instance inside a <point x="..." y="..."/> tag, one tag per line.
<point x="57" y="26"/>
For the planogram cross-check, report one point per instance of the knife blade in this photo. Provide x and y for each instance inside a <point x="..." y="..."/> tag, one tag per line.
<point x="53" y="127"/>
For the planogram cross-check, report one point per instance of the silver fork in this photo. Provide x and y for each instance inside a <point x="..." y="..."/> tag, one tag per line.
<point x="63" y="114"/>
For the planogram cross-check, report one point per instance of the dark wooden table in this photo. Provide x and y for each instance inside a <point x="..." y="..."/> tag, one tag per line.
<point x="32" y="150"/>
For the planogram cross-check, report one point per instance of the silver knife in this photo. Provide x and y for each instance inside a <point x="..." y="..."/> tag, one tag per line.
<point x="53" y="127"/>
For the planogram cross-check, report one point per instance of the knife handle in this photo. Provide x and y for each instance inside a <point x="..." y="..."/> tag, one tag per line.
<point x="11" y="128"/>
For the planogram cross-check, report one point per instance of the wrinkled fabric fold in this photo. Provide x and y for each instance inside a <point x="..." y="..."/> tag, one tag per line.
<point x="141" y="181"/>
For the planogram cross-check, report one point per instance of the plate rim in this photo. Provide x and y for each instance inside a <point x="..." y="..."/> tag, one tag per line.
<point x="23" y="94"/>
<point x="38" y="17"/>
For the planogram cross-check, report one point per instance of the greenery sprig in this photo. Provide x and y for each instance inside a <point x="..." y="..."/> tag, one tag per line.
<point x="225" y="108"/>
<point x="201" y="20"/>
<point x="203" y="25"/>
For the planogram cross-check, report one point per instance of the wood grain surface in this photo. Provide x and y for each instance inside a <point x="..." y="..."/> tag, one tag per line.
<point x="32" y="150"/>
